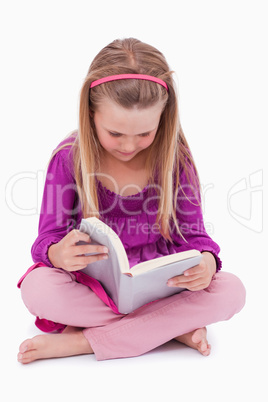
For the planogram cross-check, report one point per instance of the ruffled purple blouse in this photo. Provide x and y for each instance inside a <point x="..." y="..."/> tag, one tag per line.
<point x="133" y="218"/>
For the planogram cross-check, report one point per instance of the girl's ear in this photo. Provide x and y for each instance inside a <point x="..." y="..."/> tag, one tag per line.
<point x="91" y="113"/>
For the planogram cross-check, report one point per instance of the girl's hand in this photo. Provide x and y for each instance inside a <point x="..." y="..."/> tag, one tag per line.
<point x="198" y="277"/>
<point x="66" y="254"/>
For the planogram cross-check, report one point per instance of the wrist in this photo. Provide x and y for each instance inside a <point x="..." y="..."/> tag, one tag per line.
<point x="210" y="261"/>
<point x="51" y="253"/>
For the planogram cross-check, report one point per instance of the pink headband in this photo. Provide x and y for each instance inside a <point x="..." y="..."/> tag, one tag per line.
<point x="128" y="76"/>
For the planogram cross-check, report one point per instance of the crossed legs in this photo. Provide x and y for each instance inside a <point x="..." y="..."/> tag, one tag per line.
<point x="92" y="327"/>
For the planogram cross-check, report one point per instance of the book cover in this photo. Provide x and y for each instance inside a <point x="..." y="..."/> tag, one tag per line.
<point x="143" y="283"/>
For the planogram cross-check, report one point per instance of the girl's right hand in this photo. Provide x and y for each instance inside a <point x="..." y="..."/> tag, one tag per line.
<point x="66" y="254"/>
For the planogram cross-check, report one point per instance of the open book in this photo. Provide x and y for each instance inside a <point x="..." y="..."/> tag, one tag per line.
<point x="144" y="282"/>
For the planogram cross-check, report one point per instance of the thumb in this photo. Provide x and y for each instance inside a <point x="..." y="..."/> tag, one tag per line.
<point x="75" y="236"/>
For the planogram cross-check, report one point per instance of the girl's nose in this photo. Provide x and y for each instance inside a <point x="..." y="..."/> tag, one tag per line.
<point x="129" y="145"/>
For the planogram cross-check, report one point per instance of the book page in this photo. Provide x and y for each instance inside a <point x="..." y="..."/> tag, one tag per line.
<point x="103" y="234"/>
<point x="152" y="285"/>
<point x="162" y="261"/>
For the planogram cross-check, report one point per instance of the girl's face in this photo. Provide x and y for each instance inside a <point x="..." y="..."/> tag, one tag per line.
<point x="124" y="133"/>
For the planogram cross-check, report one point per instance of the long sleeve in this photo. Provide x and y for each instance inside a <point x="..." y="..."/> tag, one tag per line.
<point x="60" y="210"/>
<point x="191" y="223"/>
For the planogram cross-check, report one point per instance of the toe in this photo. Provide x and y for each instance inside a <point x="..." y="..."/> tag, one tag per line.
<point x="27" y="357"/>
<point x="203" y="346"/>
<point x="22" y="358"/>
<point x="206" y="353"/>
<point x="205" y="349"/>
<point x="27" y="351"/>
<point x="26" y="345"/>
<point x="199" y="335"/>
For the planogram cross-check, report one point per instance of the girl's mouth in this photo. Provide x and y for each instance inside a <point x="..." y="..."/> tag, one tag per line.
<point x="126" y="153"/>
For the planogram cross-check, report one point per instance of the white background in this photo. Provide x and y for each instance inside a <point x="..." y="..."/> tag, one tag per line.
<point x="219" y="52"/>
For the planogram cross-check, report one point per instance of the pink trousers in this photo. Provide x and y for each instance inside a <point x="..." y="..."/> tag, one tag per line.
<point x="55" y="295"/>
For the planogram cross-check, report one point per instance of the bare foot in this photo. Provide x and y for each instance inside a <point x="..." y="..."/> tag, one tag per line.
<point x="197" y="340"/>
<point x="68" y="329"/>
<point x="48" y="346"/>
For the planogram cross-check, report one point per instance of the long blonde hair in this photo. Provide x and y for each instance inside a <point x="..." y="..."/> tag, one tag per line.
<point x="167" y="153"/>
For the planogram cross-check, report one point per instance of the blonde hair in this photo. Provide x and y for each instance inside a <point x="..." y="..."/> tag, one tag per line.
<point x="134" y="57"/>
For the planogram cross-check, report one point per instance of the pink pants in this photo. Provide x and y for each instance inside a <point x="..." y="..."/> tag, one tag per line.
<point x="55" y="295"/>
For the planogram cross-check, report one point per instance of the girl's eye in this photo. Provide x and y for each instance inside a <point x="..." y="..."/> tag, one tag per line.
<point x="145" y="135"/>
<point x="114" y="134"/>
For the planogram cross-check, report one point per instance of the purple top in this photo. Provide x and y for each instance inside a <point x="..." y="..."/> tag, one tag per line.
<point x="133" y="218"/>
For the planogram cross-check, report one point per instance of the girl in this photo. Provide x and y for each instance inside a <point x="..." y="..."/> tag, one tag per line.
<point x="130" y="165"/>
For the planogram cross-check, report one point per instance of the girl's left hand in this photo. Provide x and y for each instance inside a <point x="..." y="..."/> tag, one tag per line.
<point x="198" y="277"/>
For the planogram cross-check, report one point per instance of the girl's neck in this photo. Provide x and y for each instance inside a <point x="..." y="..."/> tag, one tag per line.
<point x="124" y="178"/>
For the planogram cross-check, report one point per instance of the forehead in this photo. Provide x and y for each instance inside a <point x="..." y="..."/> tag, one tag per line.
<point x="128" y="121"/>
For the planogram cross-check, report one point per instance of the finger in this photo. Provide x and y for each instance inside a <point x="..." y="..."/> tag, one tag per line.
<point x="75" y="236"/>
<point x="90" y="248"/>
<point x="190" y="285"/>
<point x="198" y="287"/>
<point x="83" y="261"/>
<point x="181" y="279"/>
<point x="198" y="284"/>
<point x="198" y="269"/>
